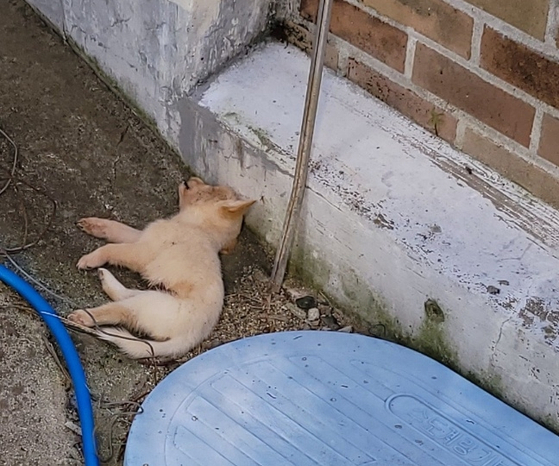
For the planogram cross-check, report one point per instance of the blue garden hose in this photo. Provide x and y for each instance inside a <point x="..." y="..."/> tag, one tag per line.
<point x="73" y="363"/>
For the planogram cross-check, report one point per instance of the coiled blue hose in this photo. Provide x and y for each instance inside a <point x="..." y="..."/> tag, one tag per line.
<point x="73" y="363"/>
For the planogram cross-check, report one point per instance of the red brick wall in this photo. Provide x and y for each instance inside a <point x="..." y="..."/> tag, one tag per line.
<point x="481" y="74"/>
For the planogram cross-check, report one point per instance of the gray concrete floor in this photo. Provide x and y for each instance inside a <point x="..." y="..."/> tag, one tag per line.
<point x="83" y="147"/>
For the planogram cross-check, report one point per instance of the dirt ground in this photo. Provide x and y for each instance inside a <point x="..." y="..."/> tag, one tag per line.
<point x="81" y="151"/>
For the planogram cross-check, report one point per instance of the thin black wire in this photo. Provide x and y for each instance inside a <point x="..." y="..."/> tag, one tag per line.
<point x="7" y="252"/>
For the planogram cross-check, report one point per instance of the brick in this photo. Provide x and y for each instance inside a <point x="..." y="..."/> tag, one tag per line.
<point x="300" y="36"/>
<point x="356" y="26"/>
<point x="469" y="92"/>
<point x="549" y="141"/>
<point x="405" y="101"/>
<point x="531" y="177"/>
<point x="520" y="66"/>
<point x="527" y="15"/>
<point x="433" y="18"/>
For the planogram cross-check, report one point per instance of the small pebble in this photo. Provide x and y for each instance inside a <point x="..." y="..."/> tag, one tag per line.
<point x="306" y="302"/>
<point x="493" y="289"/>
<point x="261" y="276"/>
<point x="325" y="310"/>
<point x="296" y="311"/>
<point x="295" y="293"/>
<point x="313" y="314"/>
<point x="73" y="427"/>
<point x="346" y="329"/>
<point x="330" y="322"/>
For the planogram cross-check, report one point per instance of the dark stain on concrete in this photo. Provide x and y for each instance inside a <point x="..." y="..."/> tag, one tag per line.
<point x="537" y="312"/>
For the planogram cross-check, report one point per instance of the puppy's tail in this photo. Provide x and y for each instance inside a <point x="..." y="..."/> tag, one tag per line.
<point x="138" y="348"/>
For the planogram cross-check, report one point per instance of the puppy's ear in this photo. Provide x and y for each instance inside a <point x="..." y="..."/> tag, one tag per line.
<point x="236" y="207"/>
<point x="194" y="181"/>
<point x="183" y="187"/>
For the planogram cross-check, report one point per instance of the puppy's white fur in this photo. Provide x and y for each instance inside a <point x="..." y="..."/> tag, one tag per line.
<point x="179" y="255"/>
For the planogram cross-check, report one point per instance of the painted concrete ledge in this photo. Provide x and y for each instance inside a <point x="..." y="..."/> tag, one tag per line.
<point x="397" y="226"/>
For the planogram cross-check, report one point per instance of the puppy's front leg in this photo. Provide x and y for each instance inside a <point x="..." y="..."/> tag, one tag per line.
<point x="131" y="255"/>
<point x="113" y="232"/>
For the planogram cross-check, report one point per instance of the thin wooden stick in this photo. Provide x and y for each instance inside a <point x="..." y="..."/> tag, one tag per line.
<point x="305" y="144"/>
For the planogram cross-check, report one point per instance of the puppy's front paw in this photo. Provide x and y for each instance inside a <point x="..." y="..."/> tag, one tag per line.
<point x="90" y="261"/>
<point x="93" y="226"/>
<point x="81" y="317"/>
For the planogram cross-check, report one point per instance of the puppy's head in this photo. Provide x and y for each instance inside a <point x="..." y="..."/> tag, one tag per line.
<point x="195" y="191"/>
<point x="218" y="208"/>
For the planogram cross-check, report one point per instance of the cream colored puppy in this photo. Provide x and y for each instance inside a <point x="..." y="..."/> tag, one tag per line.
<point x="180" y="255"/>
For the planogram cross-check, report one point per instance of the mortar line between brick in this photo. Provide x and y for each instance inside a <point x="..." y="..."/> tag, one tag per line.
<point x="406" y="82"/>
<point x="416" y="37"/>
<point x="410" y="56"/>
<point x="536" y="130"/>
<point x="476" y="42"/>
<point x="480" y="18"/>
<point x="496" y="137"/>
<point x="472" y="67"/>
<point x="545" y="48"/>
<point x="485" y="75"/>
<point x="375" y="14"/>
<point x="482" y="73"/>
<point x="343" y="60"/>
<point x="518" y="150"/>
<point x="552" y="23"/>
<point x="460" y="133"/>
<point x="506" y="28"/>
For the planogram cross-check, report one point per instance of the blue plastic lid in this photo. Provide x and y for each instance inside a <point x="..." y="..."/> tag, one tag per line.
<point x="328" y="398"/>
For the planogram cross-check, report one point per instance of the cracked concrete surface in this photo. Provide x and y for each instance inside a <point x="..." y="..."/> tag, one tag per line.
<point x="88" y="151"/>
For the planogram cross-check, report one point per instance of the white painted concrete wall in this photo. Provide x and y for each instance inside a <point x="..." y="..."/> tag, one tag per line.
<point x="157" y="51"/>
<point x="393" y="217"/>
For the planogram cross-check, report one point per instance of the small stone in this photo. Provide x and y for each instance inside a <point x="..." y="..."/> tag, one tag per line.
<point x="493" y="289"/>
<point x="211" y="344"/>
<point x="339" y="316"/>
<point x="260" y="276"/>
<point x="313" y="314"/>
<point x="330" y="322"/>
<point x="295" y="293"/>
<point x="73" y="427"/>
<point x="296" y="311"/>
<point x="346" y="329"/>
<point x="306" y="302"/>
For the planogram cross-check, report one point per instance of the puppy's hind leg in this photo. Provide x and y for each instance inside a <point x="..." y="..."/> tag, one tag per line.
<point x="113" y="288"/>
<point x="107" y="314"/>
